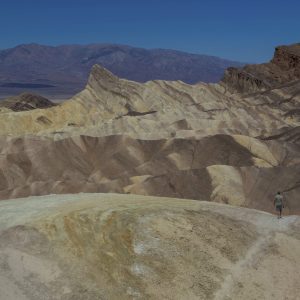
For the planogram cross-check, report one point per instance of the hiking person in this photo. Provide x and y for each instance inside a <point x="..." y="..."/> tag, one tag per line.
<point x="278" y="203"/>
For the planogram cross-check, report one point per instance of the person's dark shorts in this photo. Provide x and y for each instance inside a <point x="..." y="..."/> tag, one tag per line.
<point x="279" y="207"/>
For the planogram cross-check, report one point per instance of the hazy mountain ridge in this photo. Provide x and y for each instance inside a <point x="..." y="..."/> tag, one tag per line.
<point x="69" y="65"/>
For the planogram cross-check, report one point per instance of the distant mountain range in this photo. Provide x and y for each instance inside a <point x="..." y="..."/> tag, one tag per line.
<point x="64" y="69"/>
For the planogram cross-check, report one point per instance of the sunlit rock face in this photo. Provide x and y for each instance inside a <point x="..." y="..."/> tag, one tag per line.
<point x="109" y="246"/>
<point x="235" y="142"/>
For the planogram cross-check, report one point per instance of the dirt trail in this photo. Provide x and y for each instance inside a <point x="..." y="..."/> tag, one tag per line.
<point x="239" y="268"/>
<point x="254" y="255"/>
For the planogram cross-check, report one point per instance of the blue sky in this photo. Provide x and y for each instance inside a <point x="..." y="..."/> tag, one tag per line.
<point x="241" y="30"/>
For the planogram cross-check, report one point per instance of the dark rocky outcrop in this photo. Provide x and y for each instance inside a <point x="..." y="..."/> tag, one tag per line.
<point x="241" y="81"/>
<point x="288" y="59"/>
<point x="282" y="69"/>
<point x="26" y="101"/>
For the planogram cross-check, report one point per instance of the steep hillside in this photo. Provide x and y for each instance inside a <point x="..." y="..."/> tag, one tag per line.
<point x="229" y="169"/>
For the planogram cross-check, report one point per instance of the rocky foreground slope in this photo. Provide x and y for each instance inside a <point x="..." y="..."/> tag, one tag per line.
<point x="164" y="138"/>
<point x="108" y="246"/>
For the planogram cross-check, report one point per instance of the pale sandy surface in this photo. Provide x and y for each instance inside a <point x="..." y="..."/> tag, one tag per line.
<point x="109" y="246"/>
